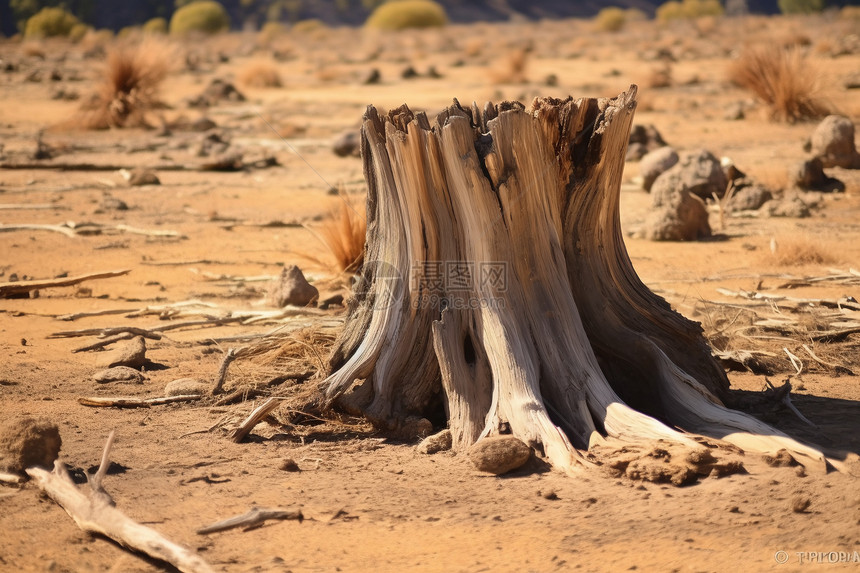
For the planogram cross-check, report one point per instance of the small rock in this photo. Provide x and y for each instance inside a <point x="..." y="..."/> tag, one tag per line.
<point x="735" y="112"/>
<point x="833" y="143"/>
<point x="111" y="203"/>
<point x="409" y="73"/>
<point x="550" y="495"/>
<point x="699" y="172"/>
<point x="551" y="80"/>
<point x="217" y="91"/>
<point x="788" y="206"/>
<point x="289" y="465"/>
<point x="131" y="353"/>
<point x="749" y="197"/>
<point x="436" y="443"/>
<point x="414" y="427"/>
<point x="291" y="288"/>
<point x="648" y="139"/>
<point x="809" y="175"/>
<point x="373" y="77"/>
<point x="27" y="442"/>
<point x="780" y="459"/>
<point x="433" y="73"/>
<point x="800" y="504"/>
<point x="678" y="215"/>
<point x="655" y="163"/>
<point x="186" y="387"/>
<point x="499" y="454"/>
<point x="140" y="177"/>
<point x="118" y="374"/>
<point x="347" y="144"/>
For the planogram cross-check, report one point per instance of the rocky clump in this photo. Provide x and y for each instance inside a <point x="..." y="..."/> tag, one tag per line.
<point x="186" y="387"/>
<point x="118" y="374"/>
<point x="809" y="175"/>
<point x="347" y="144"/>
<point x="499" y="454"/>
<point x="27" y="442"/>
<point x="677" y="215"/>
<point x="131" y="353"/>
<point x="643" y="139"/>
<point x="699" y="172"/>
<point x="292" y="288"/>
<point x="216" y="92"/>
<point x="833" y="143"/>
<point x="439" y="442"/>
<point x="655" y="163"/>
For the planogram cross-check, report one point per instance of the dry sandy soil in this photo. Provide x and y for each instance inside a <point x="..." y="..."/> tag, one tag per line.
<point x="371" y="503"/>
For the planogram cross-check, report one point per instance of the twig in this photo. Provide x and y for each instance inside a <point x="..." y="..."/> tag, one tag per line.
<point x="254" y="418"/>
<point x="795" y="361"/>
<point x="106" y="332"/>
<point x="94" y="512"/>
<point x="33" y="227"/>
<point x="33" y="206"/>
<point x="99" y="402"/>
<point x="22" y="287"/>
<point x="783" y="394"/>
<point x="254" y="518"/>
<point x="229" y="357"/>
<point x="77" y="315"/>
<point x="819" y="360"/>
<point x="12" y="479"/>
<point x="240" y="394"/>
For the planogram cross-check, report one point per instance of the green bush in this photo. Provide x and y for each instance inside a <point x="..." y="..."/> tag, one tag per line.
<point x="203" y="16"/>
<point x="155" y="26"/>
<point x="402" y="14"/>
<point x="674" y="10"/>
<point x="801" y="6"/>
<point x="50" y="23"/>
<point x="78" y="32"/>
<point x="610" y="19"/>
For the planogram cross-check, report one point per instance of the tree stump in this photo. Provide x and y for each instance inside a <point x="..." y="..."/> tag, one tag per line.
<point x="496" y="284"/>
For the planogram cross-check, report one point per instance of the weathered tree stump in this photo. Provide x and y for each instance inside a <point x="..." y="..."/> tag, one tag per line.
<point x="497" y="282"/>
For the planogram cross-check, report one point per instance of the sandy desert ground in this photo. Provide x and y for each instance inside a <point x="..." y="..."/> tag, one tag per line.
<point x="372" y="503"/>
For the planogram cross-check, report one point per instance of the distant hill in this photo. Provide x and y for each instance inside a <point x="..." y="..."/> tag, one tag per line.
<point x="115" y="15"/>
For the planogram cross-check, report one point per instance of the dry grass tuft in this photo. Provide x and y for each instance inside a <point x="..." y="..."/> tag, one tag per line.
<point x="130" y="86"/>
<point x="798" y="251"/>
<point x="261" y="74"/>
<point x="344" y="234"/>
<point x="783" y="78"/>
<point x="511" y="69"/>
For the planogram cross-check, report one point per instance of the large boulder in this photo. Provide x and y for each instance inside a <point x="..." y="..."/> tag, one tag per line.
<point x="833" y="143"/>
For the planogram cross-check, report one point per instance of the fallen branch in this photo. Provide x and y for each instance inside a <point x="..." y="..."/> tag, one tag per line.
<point x="254" y="418"/>
<point x="783" y="395"/>
<point x="32" y="206"/>
<point x="106" y="332"/>
<point x="77" y="315"/>
<point x="94" y="512"/>
<point x="99" y="402"/>
<point x="11" y="479"/>
<point x="254" y="518"/>
<point x="21" y="287"/>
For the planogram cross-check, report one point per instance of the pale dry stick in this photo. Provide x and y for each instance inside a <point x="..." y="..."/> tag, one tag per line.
<point x="32" y="206"/>
<point x="784" y="394"/>
<point x="229" y="357"/>
<point x="795" y="361"/>
<point x="819" y="360"/>
<point x="77" y="315"/>
<point x="131" y="402"/>
<point x="251" y="520"/>
<point x="34" y="227"/>
<point x="94" y="512"/>
<point x="11" y="479"/>
<point x="254" y="418"/>
<point x="107" y="332"/>
<point x="22" y="287"/>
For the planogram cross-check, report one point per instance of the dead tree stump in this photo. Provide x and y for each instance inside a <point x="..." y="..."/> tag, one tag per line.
<point x="496" y="281"/>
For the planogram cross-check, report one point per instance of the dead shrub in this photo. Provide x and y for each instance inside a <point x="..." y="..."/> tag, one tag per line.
<point x="660" y="77"/>
<point x="783" y="79"/>
<point x="511" y="69"/>
<point x="798" y="251"/>
<point x="129" y="88"/>
<point x="261" y="74"/>
<point x="344" y="233"/>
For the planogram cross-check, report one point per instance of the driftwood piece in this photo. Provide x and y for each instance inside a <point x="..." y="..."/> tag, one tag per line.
<point x="32" y="206"/>
<point x="254" y="418"/>
<point x="496" y="273"/>
<point x="131" y="402"/>
<point x="251" y="520"/>
<point x="95" y="512"/>
<point x="11" y="479"/>
<point x="9" y="289"/>
<point x="35" y="227"/>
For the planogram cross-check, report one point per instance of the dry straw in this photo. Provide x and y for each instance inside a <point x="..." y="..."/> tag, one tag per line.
<point x="783" y="79"/>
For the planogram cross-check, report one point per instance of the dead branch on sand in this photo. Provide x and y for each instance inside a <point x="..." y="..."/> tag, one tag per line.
<point x="8" y="290"/>
<point x="251" y="520"/>
<point x="95" y="512"/>
<point x="131" y="402"/>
